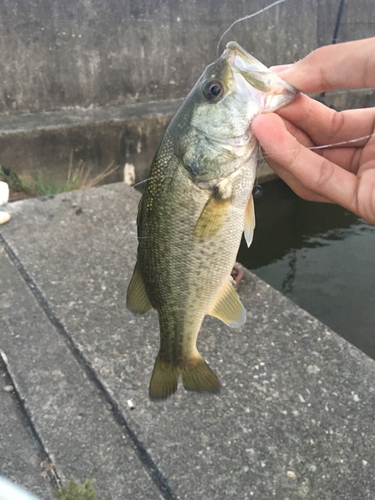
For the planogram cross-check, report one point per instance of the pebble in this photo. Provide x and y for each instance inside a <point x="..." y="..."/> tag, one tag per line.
<point x="4" y="217"/>
<point x="8" y="388"/>
<point x="291" y="474"/>
<point x="4" y="193"/>
<point x="313" y="369"/>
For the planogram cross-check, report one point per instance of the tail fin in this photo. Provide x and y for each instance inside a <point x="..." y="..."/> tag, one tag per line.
<point x="200" y="377"/>
<point x="164" y="380"/>
<point x="196" y="376"/>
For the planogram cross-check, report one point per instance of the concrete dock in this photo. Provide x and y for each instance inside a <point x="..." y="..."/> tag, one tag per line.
<point x="295" y="418"/>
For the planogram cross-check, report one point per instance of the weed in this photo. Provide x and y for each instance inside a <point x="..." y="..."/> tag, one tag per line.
<point x="79" y="177"/>
<point x="11" y="178"/>
<point x="75" y="491"/>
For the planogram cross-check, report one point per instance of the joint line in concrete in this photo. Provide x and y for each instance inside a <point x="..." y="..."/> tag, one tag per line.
<point x="158" y="478"/>
<point x="45" y="460"/>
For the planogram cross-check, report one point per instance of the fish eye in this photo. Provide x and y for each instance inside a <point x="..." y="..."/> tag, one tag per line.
<point x="213" y="90"/>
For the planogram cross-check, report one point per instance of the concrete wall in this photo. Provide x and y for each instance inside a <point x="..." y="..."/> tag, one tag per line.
<point x="48" y="143"/>
<point x="358" y="20"/>
<point x="86" y="69"/>
<point x="64" y="53"/>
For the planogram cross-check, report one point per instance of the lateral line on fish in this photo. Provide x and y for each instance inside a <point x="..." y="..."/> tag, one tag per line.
<point x="244" y="19"/>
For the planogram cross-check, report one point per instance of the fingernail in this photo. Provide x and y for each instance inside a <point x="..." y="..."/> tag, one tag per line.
<point x="280" y="67"/>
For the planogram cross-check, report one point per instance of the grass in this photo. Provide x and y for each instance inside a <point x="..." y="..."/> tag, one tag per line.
<point x="44" y="186"/>
<point x="79" y="177"/>
<point x="75" y="491"/>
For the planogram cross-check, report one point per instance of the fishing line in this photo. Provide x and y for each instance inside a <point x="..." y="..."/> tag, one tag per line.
<point x="325" y="146"/>
<point x="343" y="142"/>
<point x="133" y="234"/>
<point x="244" y="19"/>
<point x="141" y="182"/>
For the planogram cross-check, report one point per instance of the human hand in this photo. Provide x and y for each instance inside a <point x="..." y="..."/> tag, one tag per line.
<point x="342" y="174"/>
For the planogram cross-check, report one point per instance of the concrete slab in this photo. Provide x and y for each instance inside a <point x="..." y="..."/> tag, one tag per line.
<point x="20" y="453"/>
<point x="70" y="417"/>
<point x="295" y="418"/>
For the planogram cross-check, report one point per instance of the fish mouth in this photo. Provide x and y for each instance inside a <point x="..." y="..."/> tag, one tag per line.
<point x="255" y="82"/>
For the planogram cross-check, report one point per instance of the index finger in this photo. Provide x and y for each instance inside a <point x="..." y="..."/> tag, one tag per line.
<point x="315" y="173"/>
<point x="344" y="65"/>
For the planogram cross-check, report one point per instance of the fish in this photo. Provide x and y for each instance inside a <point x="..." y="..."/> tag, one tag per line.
<point x="196" y="205"/>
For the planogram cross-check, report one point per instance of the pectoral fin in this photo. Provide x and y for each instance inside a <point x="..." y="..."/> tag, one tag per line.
<point x="136" y="299"/>
<point x="249" y="221"/>
<point x="212" y="218"/>
<point x="229" y="308"/>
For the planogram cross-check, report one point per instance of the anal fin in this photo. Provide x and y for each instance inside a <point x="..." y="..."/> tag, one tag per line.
<point x="137" y="300"/>
<point x="229" y="308"/>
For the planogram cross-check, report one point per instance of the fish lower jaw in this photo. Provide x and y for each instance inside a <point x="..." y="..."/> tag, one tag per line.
<point x="241" y="140"/>
<point x="236" y="141"/>
<point x="244" y="153"/>
<point x="242" y="146"/>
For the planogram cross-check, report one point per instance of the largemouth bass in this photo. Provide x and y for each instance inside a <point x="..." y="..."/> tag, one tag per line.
<point x="196" y="205"/>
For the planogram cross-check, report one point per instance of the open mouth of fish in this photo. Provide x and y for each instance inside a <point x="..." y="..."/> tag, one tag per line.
<point x="255" y="81"/>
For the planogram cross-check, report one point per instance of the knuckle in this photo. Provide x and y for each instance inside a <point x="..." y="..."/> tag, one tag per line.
<point x="364" y="196"/>
<point x="337" y="124"/>
<point x="326" y="172"/>
<point x="295" y="152"/>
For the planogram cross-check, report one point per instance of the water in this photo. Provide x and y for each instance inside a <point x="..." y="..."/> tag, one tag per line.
<point x="319" y="255"/>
